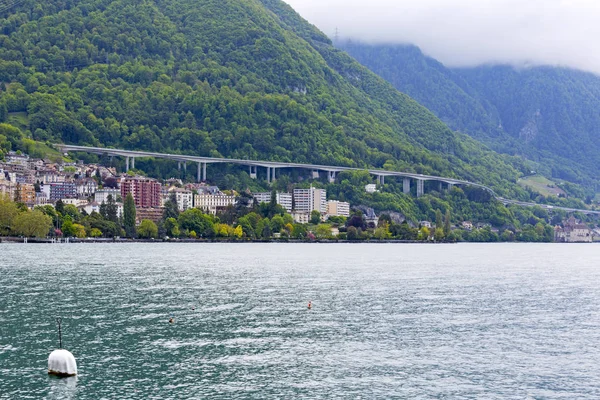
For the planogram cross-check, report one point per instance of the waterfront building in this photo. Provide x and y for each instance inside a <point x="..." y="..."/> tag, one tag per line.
<point x="301" y="217"/>
<point x="146" y="192"/>
<point x="213" y="202"/>
<point x="338" y="208"/>
<point x="283" y="199"/>
<point x="154" y="214"/>
<point x="308" y="200"/>
<point x="94" y="206"/>
<point x="184" y="198"/>
<point x="573" y="231"/>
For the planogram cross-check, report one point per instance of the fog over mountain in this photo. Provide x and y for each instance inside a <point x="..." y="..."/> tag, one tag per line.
<point x="470" y="32"/>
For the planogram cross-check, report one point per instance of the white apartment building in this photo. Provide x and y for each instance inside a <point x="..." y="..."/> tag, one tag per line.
<point x="307" y="200"/>
<point x="184" y="198"/>
<point x="338" y="208"/>
<point x="283" y="199"/>
<point x="213" y="202"/>
<point x="101" y="196"/>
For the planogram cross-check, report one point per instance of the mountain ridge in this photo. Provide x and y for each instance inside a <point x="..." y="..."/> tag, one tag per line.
<point x="546" y="115"/>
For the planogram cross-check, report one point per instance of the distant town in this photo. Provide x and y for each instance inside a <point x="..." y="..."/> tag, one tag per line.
<point x="92" y="189"/>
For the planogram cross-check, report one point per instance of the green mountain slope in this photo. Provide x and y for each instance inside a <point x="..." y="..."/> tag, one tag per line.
<point x="548" y="115"/>
<point x="237" y="78"/>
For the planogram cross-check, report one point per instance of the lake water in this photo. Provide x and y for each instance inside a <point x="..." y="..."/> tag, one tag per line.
<point x="469" y="321"/>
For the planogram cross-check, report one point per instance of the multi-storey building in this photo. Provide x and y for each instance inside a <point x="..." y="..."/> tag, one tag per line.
<point x="184" y="198"/>
<point x="153" y="214"/>
<point x="338" y="208"/>
<point x="212" y="201"/>
<point x="146" y="192"/>
<point x="283" y="199"/>
<point x="101" y="196"/>
<point x="308" y="200"/>
<point x="86" y="187"/>
<point x="25" y="193"/>
<point x="59" y="190"/>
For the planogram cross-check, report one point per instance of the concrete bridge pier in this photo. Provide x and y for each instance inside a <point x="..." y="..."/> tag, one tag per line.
<point x="406" y="185"/>
<point x="420" y="187"/>
<point x="185" y="166"/>
<point x="132" y="162"/>
<point x="268" y="174"/>
<point x="127" y="164"/>
<point x="179" y="165"/>
<point x="273" y="179"/>
<point x="204" y="172"/>
<point x="450" y="186"/>
<point x="199" y="173"/>
<point x="253" y="171"/>
<point x="440" y="186"/>
<point x="331" y="176"/>
<point x="315" y="174"/>
<point x="381" y="179"/>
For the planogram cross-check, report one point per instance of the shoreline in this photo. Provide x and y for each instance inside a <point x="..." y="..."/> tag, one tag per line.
<point x="17" y="240"/>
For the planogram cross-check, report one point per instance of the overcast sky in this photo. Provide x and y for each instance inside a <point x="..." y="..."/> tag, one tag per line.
<point x="471" y="32"/>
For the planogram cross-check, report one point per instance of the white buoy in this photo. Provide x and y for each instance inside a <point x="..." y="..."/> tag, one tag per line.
<point x="61" y="362"/>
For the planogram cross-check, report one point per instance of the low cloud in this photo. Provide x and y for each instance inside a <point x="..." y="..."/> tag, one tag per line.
<point x="470" y="32"/>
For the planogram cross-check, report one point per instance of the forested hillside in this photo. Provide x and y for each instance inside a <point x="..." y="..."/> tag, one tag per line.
<point x="551" y="116"/>
<point x="237" y="78"/>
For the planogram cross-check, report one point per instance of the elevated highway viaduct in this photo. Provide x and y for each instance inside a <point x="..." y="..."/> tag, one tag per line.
<point x="271" y="168"/>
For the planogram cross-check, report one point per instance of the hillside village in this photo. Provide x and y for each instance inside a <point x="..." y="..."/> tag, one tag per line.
<point x="89" y="187"/>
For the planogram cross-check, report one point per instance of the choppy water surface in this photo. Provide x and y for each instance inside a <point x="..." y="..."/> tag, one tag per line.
<point x="389" y="321"/>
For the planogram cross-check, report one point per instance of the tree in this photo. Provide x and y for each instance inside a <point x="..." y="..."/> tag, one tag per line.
<point x="438" y="219"/>
<point x="383" y="232"/>
<point x="447" y="222"/>
<point x="352" y="233"/>
<point x="60" y="207"/>
<point x="277" y="223"/>
<point x="3" y="112"/>
<point x="110" y="210"/>
<point x="423" y="234"/>
<point x="315" y="217"/>
<point x="32" y="224"/>
<point x="195" y="220"/>
<point x="238" y="232"/>
<point x="171" y="208"/>
<point x="68" y="228"/>
<point x="8" y="212"/>
<point x="438" y="234"/>
<point x="323" y="231"/>
<point x="129" y="215"/>
<point x="172" y="227"/>
<point x="147" y="229"/>
<point x="79" y="231"/>
<point x="95" y="233"/>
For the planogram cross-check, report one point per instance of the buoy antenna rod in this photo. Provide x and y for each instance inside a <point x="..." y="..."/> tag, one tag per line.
<point x="59" y="322"/>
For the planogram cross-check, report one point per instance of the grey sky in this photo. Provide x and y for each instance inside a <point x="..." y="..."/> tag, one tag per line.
<point x="471" y="32"/>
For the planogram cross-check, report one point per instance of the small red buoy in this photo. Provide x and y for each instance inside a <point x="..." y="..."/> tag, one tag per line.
<point x="310" y="305"/>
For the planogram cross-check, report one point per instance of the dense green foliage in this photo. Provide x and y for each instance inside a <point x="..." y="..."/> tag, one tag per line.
<point x="548" y="115"/>
<point x="237" y="78"/>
